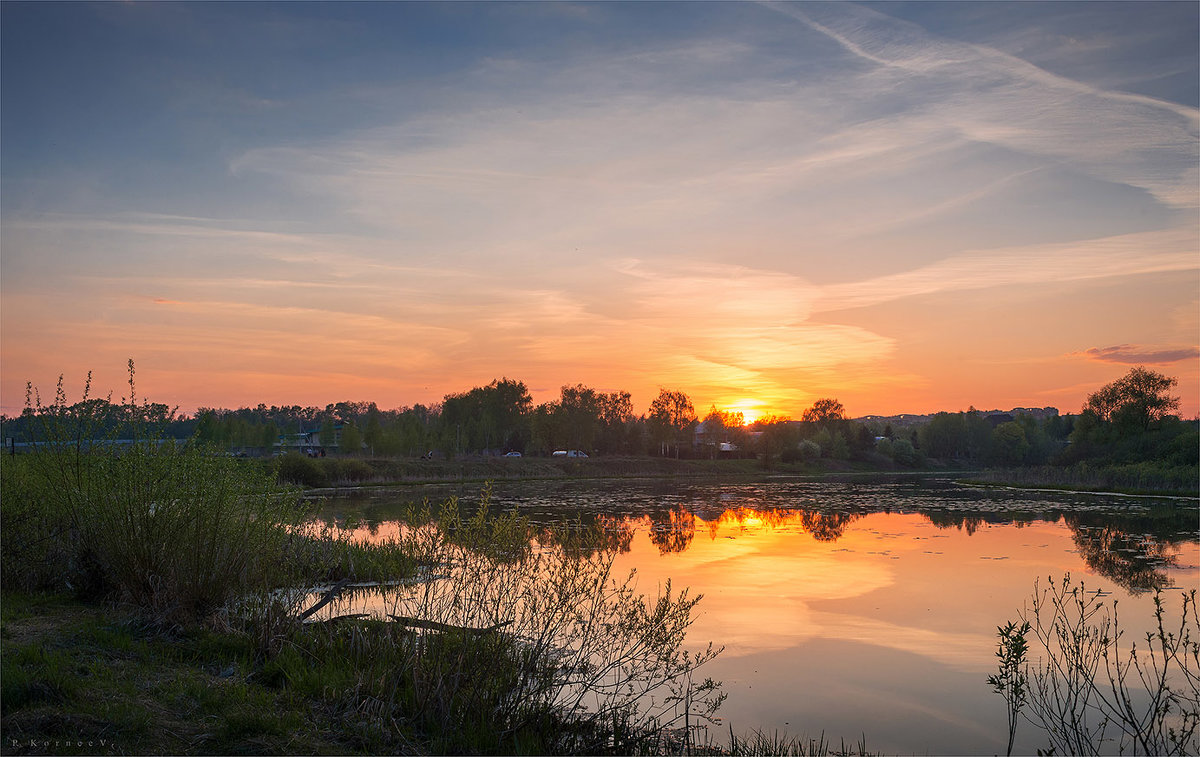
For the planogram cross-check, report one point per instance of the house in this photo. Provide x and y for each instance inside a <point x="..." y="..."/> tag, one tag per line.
<point x="309" y="442"/>
<point x="720" y="438"/>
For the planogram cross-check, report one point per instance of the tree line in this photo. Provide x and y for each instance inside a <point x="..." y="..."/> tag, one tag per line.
<point x="1130" y="421"/>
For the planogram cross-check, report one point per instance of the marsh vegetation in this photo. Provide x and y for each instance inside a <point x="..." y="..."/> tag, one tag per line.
<point x="502" y="638"/>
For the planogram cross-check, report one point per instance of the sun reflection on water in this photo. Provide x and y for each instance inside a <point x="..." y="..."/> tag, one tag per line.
<point x="835" y="610"/>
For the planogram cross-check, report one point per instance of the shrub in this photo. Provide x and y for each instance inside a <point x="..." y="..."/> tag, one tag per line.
<point x="348" y="470"/>
<point x="1092" y="688"/>
<point x="295" y="468"/>
<point x="884" y="446"/>
<point x="37" y="542"/>
<point x="904" y="453"/>
<point x="809" y="450"/>
<point x="175" y="529"/>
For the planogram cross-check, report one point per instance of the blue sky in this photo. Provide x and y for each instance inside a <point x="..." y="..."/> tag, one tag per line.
<point x="909" y="206"/>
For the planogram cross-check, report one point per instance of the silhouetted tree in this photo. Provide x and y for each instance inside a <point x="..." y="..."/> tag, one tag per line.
<point x="1009" y="445"/>
<point x="352" y="440"/>
<point x="671" y="419"/>
<point x="826" y="413"/>
<point x="1137" y="400"/>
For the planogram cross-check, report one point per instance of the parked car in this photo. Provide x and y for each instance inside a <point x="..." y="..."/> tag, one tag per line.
<point x="568" y="453"/>
<point x="512" y="454"/>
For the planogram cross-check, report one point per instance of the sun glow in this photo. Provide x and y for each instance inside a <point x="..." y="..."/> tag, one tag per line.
<point x="751" y="410"/>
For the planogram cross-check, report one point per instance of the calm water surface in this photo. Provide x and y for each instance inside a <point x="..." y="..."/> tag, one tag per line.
<point x="859" y="608"/>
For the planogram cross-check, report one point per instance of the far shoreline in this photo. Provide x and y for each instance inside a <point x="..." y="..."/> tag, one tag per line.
<point x="398" y="473"/>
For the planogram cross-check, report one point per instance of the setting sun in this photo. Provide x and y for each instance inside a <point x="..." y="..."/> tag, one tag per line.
<point x="751" y="410"/>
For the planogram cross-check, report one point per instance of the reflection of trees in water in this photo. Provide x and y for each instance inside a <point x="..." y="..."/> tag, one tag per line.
<point x="826" y="526"/>
<point x="1132" y="549"/>
<point x="617" y="532"/>
<point x="606" y="534"/>
<point x="748" y="516"/>
<point x="970" y="522"/>
<point x="1135" y="558"/>
<point x="674" y="532"/>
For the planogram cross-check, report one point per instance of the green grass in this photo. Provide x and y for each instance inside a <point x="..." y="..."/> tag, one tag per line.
<point x="79" y="679"/>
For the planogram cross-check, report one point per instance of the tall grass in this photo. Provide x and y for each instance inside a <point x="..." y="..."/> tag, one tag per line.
<point x="774" y="743"/>
<point x="295" y="468"/>
<point x="172" y="528"/>
<point x="1148" y="476"/>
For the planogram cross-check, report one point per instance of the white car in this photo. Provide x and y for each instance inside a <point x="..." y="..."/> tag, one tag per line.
<point x="512" y="454"/>
<point x="569" y="453"/>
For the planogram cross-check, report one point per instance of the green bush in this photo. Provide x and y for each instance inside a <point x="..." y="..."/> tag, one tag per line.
<point x="37" y="539"/>
<point x="295" y="468"/>
<point x="347" y="470"/>
<point x="904" y="453"/>
<point x="809" y="450"/>
<point x="885" y="447"/>
<point x="315" y="473"/>
<point x="174" y="529"/>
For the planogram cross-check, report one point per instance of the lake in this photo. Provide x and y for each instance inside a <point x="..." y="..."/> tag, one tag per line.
<point x="858" y="607"/>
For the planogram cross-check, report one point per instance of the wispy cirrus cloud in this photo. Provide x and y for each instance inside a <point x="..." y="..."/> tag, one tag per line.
<point x="625" y="155"/>
<point x="991" y="96"/>
<point x="1128" y="255"/>
<point x="1136" y="354"/>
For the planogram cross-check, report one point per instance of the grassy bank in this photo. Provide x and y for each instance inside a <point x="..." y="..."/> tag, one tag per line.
<point x="1140" y="478"/>
<point x="83" y="679"/>
<point x="333" y="471"/>
<point x="479" y="646"/>
<point x="89" y="680"/>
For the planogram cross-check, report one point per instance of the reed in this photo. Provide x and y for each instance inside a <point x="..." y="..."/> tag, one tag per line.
<point x="760" y="742"/>
<point x="172" y="528"/>
<point x="1145" y="477"/>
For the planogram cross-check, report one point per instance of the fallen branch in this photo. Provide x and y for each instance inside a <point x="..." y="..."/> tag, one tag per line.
<point x="433" y="625"/>
<point x="329" y="597"/>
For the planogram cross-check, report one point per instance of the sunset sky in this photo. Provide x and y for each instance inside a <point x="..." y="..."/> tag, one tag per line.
<point x="910" y="207"/>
